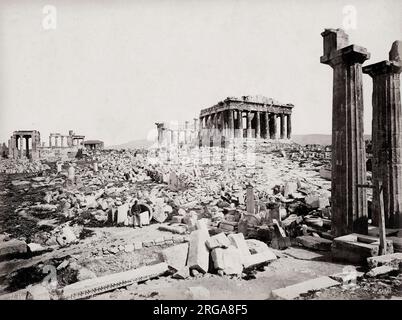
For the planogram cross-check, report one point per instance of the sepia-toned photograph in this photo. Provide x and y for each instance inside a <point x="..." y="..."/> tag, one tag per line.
<point x="200" y="150"/>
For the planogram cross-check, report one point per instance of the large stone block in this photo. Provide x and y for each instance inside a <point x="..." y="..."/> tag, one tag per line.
<point x="122" y="213"/>
<point x="314" y="243"/>
<point x="12" y="247"/>
<point x="238" y="241"/>
<point x="218" y="241"/>
<point x="176" y="256"/>
<point x="356" y="248"/>
<point x="228" y="260"/>
<point x="198" y="254"/>
<point x="294" y="291"/>
<point x="393" y="260"/>
<point x="258" y="259"/>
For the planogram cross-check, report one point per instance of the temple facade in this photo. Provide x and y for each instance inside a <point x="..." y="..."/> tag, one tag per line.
<point x="246" y="117"/>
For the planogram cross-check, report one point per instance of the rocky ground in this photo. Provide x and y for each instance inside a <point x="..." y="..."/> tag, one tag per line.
<point x="69" y="223"/>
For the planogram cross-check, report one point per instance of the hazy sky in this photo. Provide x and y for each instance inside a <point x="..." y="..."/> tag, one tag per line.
<point x="111" y="69"/>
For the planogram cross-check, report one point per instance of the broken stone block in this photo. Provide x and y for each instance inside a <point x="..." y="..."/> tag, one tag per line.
<point x="218" y="241"/>
<point x="180" y="229"/>
<point x="12" y="247"/>
<point x="122" y="213"/>
<point x="393" y="260"/>
<point x="138" y="245"/>
<point x="129" y="248"/>
<point x="356" y="248"/>
<point x="202" y="224"/>
<point x="256" y="246"/>
<point x="37" y="292"/>
<point x="314" y="243"/>
<point x="290" y="188"/>
<point x="395" y="54"/>
<point x="259" y="259"/>
<point x="177" y="219"/>
<point x="227" y="225"/>
<point x="182" y="274"/>
<point x="228" y="260"/>
<point x="379" y="271"/>
<point x="294" y="291"/>
<point x="238" y="241"/>
<point x="66" y="236"/>
<point x="35" y="247"/>
<point x="84" y="274"/>
<point x="176" y="256"/>
<point x="198" y="254"/>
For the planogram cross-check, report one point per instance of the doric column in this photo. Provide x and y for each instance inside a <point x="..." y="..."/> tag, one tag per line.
<point x="273" y="126"/>
<point x="267" y="133"/>
<point x="231" y="123"/>
<point x="249" y="132"/>
<point x="239" y="129"/>
<point x="21" y="146"/>
<point x="171" y="137"/>
<point x="387" y="137"/>
<point x="282" y="123"/>
<point x="257" y="125"/>
<point x="27" y="146"/>
<point x="50" y="140"/>
<point x="62" y="141"/>
<point x="56" y="138"/>
<point x="349" y="203"/>
<point x="289" y="126"/>
<point x="222" y="122"/>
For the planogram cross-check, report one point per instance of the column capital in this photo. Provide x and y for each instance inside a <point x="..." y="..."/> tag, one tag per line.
<point x="349" y="55"/>
<point x="383" y="67"/>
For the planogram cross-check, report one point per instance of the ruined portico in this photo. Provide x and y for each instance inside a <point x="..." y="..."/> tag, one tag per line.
<point x="251" y="117"/>
<point x="24" y="144"/>
<point x="57" y="140"/>
<point x="174" y="133"/>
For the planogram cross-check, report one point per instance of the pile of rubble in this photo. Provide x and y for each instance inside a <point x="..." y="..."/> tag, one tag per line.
<point x="230" y="255"/>
<point x="11" y="166"/>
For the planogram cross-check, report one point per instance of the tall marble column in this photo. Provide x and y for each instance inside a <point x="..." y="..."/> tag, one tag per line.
<point x="289" y="126"/>
<point x="387" y="136"/>
<point x="249" y="132"/>
<point x="257" y="125"/>
<point x="50" y="141"/>
<point x="282" y="123"/>
<point x="349" y="202"/>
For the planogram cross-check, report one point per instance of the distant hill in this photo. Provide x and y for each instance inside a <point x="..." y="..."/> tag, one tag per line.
<point x="323" y="139"/>
<point x="134" y="144"/>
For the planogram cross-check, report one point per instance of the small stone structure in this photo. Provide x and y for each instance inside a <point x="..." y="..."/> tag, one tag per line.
<point x="93" y="144"/>
<point x="24" y="144"/>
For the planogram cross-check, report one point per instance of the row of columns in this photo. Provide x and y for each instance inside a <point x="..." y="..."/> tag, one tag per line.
<point x="71" y="141"/>
<point x="229" y="123"/>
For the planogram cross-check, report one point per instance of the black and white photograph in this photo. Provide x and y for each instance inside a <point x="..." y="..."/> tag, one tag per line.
<point x="228" y="150"/>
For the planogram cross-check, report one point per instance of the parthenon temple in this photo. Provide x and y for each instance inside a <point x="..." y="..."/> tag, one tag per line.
<point x="29" y="149"/>
<point x="246" y="117"/>
<point x="56" y="140"/>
